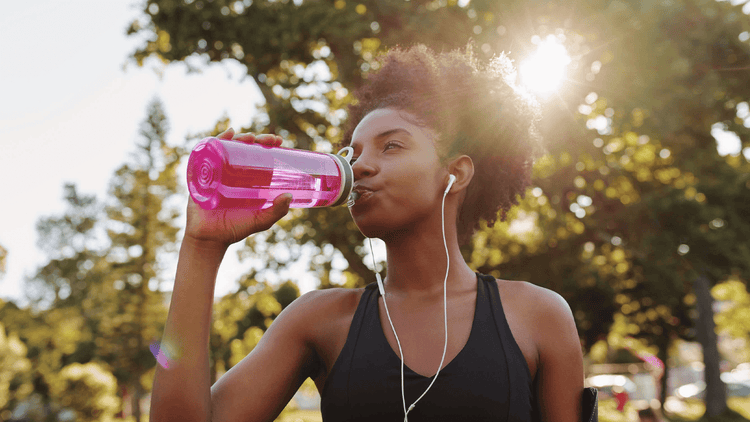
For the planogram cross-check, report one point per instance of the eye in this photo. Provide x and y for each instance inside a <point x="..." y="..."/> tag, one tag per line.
<point x="390" y="145"/>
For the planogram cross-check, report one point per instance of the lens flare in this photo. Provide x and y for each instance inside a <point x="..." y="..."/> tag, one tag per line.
<point x="164" y="353"/>
<point x="544" y="71"/>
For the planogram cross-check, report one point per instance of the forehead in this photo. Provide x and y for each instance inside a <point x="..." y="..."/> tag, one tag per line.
<point x="384" y="120"/>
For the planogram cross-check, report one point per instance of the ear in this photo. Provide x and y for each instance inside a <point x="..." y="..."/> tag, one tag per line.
<point x="463" y="168"/>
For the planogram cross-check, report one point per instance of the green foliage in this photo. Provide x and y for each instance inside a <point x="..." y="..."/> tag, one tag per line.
<point x="3" y="260"/>
<point x="733" y="317"/>
<point x="73" y="246"/>
<point x="89" y="390"/>
<point x="15" y="382"/>
<point x="241" y="318"/>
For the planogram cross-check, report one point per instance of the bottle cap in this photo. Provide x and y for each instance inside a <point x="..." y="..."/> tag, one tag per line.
<point x="347" y="175"/>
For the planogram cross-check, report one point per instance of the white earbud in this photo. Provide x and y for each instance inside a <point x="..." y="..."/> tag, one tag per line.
<point x="451" y="181"/>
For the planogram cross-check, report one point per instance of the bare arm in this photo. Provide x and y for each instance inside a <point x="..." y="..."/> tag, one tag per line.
<point x="560" y="369"/>
<point x="182" y="392"/>
<point x="258" y="388"/>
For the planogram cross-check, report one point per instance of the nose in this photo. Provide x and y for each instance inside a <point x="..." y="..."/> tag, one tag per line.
<point x="363" y="167"/>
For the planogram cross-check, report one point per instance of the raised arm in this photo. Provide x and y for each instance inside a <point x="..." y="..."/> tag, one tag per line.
<point x="182" y="392"/>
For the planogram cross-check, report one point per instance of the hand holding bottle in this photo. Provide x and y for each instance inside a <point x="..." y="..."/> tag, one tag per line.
<point x="220" y="228"/>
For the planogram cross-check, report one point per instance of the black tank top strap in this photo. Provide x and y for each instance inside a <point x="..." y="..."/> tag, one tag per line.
<point x="523" y="393"/>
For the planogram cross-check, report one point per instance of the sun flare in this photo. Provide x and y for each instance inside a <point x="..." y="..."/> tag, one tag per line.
<point x="544" y="71"/>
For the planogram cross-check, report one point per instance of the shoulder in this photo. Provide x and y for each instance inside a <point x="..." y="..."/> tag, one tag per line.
<point x="541" y="302"/>
<point x="333" y="299"/>
<point x="323" y="319"/>
<point x="317" y="310"/>
<point x="545" y="314"/>
<point x="264" y="380"/>
<point x="548" y="321"/>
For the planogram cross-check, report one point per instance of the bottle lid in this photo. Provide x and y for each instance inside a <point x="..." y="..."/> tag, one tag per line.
<point x="347" y="174"/>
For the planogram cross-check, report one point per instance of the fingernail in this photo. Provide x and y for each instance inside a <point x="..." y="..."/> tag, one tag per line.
<point x="287" y="198"/>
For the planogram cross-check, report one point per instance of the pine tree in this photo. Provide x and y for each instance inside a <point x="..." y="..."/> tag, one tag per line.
<point x="141" y="224"/>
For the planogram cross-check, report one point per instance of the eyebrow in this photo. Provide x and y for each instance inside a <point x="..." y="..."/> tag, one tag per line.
<point x="388" y="133"/>
<point x="392" y="131"/>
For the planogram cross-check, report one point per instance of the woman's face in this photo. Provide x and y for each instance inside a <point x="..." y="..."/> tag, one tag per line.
<point x="397" y="173"/>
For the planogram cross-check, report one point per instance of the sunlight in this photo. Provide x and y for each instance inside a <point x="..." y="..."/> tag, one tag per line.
<point x="544" y="71"/>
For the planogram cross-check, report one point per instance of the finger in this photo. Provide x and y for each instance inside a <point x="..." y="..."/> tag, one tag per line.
<point x="227" y="134"/>
<point x="268" y="139"/>
<point x="245" y="137"/>
<point x="280" y="208"/>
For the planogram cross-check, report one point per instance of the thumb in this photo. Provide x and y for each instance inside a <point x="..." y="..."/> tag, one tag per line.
<point x="281" y="203"/>
<point x="280" y="208"/>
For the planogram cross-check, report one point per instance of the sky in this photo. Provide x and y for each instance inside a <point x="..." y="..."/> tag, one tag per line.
<point x="71" y="107"/>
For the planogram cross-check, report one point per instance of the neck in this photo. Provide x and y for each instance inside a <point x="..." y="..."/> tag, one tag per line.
<point x="417" y="260"/>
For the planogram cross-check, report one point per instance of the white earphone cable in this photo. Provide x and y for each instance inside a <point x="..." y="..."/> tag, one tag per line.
<point x="445" y="311"/>
<point x="385" y="305"/>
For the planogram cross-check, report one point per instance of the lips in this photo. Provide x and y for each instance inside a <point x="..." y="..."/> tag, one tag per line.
<point x="363" y="194"/>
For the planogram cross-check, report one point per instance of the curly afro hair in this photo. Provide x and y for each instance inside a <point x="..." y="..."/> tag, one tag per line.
<point x="476" y="110"/>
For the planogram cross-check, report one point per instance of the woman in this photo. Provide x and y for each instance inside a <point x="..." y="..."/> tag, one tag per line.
<point x="511" y="349"/>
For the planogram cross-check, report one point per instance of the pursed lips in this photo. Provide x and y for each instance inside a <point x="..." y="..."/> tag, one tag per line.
<point x="363" y="192"/>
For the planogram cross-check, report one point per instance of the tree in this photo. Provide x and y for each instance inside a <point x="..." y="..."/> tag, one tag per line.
<point x="60" y="327"/>
<point x="46" y="341"/>
<point x="88" y="390"/>
<point x="97" y="300"/>
<point x="140" y="224"/>
<point x="240" y="319"/>
<point x="15" y="382"/>
<point x="73" y="246"/>
<point x="653" y="187"/>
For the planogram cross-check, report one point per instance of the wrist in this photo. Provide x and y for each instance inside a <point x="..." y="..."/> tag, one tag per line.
<point x="207" y="246"/>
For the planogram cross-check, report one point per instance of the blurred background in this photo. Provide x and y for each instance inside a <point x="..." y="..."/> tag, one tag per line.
<point x="639" y="215"/>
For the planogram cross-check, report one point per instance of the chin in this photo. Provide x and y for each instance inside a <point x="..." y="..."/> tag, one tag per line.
<point x="389" y="220"/>
<point x="385" y="232"/>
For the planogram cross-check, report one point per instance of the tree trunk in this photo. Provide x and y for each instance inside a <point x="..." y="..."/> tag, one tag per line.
<point x="716" y="393"/>
<point x="136" y="400"/>
<point x="663" y="355"/>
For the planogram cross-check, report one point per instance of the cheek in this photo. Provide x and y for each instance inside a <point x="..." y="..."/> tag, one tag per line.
<point x="415" y="190"/>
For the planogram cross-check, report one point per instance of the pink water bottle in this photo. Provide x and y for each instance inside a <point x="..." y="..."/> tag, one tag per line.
<point x="231" y="174"/>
